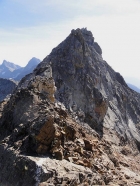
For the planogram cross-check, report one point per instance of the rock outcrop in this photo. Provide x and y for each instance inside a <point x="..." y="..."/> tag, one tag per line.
<point x="73" y="121"/>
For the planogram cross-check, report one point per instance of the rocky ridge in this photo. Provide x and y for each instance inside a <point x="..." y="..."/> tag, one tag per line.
<point x="73" y="121"/>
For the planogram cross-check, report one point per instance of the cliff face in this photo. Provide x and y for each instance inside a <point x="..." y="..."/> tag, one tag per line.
<point x="91" y="89"/>
<point x="73" y="121"/>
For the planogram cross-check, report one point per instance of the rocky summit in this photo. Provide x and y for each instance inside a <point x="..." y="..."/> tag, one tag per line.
<point x="73" y="121"/>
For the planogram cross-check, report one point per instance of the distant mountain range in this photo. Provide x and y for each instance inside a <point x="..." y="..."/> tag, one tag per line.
<point x="134" y="87"/>
<point x="133" y="81"/>
<point x="9" y="70"/>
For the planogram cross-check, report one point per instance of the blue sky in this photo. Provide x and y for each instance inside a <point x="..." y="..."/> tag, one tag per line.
<point x="33" y="28"/>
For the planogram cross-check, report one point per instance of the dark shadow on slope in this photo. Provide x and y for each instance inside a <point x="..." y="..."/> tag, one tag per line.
<point x="98" y="127"/>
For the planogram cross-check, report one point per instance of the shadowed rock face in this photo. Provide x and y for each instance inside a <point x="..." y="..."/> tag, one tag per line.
<point x="77" y="79"/>
<point x="73" y="121"/>
<point x="91" y="89"/>
<point x="6" y="87"/>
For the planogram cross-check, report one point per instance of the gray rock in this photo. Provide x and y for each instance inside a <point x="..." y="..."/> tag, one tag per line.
<point x="6" y="88"/>
<point x="68" y="122"/>
<point x="86" y="83"/>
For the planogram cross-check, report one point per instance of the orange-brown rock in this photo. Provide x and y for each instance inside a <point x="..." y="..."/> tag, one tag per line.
<point x="45" y="136"/>
<point x="88" y="145"/>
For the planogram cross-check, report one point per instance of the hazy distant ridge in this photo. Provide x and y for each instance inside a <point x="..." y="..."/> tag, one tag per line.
<point x="134" y="87"/>
<point x="10" y="70"/>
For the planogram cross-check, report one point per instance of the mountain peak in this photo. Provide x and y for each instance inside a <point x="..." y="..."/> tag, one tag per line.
<point x="80" y="38"/>
<point x="34" y="61"/>
<point x="4" y="61"/>
<point x="86" y="83"/>
<point x="13" y="71"/>
<point x="87" y="36"/>
<point x="74" y="108"/>
<point x="10" y="65"/>
<point x="84" y="31"/>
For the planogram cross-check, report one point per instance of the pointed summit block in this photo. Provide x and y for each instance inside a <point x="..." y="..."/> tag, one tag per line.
<point x="90" y="88"/>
